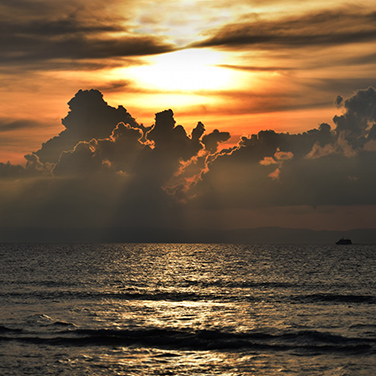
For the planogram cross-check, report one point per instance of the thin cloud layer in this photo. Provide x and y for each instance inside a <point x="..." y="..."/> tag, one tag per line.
<point x="323" y="28"/>
<point x="272" y="56"/>
<point x="64" y="33"/>
<point x="105" y="169"/>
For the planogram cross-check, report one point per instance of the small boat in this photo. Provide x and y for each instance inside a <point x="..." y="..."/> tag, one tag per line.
<point x="343" y="241"/>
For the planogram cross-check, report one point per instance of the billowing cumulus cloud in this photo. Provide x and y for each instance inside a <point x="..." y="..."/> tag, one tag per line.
<point x="359" y="119"/>
<point x="105" y="169"/>
<point x="318" y="167"/>
<point x="90" y="117"/>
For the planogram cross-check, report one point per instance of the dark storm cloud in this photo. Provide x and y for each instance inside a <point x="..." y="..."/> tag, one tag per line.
<point x="106" y="169"/>
<point x="323" y="28"/>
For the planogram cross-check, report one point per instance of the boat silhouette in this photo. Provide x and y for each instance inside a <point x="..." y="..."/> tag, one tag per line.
<point x="343" y="241"/>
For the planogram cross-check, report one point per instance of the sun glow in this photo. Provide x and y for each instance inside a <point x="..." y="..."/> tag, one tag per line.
<point x="184" y="70"/>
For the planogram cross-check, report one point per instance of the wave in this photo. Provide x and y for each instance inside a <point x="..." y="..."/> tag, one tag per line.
<point x="151" y="295"/>
<point x="167" y="284"/>
<point x="335" y="298"/>
<point x="234" y="284"/>
<point x="4" y="329"/>
<point x="298" y="341"/>
<point x="187" y="294"/>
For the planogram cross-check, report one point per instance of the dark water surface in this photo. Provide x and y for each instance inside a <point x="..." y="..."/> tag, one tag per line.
<point x="187" y="309"/>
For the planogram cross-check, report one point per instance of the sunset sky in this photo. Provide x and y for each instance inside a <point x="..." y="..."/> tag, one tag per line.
<point x="305" y="71"/>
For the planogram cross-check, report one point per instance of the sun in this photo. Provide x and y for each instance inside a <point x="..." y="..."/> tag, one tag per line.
<point x="183" y="71"/>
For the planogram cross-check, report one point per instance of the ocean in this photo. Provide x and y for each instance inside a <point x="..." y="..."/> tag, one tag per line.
<point x="187" y="309"/>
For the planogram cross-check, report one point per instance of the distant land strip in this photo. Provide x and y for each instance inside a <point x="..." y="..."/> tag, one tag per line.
<point x="260" y="235"/>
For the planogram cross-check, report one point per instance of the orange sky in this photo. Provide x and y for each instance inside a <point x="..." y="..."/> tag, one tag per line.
<point x="239" y="66"/>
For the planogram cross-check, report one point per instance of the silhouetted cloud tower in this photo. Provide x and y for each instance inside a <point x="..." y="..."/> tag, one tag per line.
<point x="105" y="168"/>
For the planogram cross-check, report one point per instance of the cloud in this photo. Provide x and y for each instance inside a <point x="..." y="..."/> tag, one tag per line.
<point x="117" y="153"/>
<point x="323" y="28"/>
<point x="7" y="170"/>
<point x="340" y="146"/>
<point x="267" y="161"/>
<point x="359" y="118"/>
<point x="192" y="170"/>
<point x="212" y="140"/>
<point x="89" y="117"/>
<point x="82" y="161"/>
<point x="318" y="167"/>
<point x="28" y="49"/>
<point x="33" y="168"/>
<point x="275" y="174"/>
<point x="279" y="157"/>
<point x="66" y="32"/>
<point x="105" y="169"/>
<point x="109" y="171"/>
<point x="283" y="156"/>
<point x="370" y="145"/>
<point x="136" y="161"/>
<point x="7" y="125"/>
<point x="253" y="68"/>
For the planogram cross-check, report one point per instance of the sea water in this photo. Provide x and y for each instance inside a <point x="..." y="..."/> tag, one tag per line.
<point x="187" y="309"/>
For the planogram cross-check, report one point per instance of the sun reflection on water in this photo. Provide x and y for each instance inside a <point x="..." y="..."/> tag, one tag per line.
<point x="190" y="310"/>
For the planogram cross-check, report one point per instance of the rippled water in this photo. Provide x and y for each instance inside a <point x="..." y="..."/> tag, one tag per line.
<point x="183" y="309"/>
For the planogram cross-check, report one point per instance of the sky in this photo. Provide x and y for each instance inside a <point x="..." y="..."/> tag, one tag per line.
<point x="188" y="114"/>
